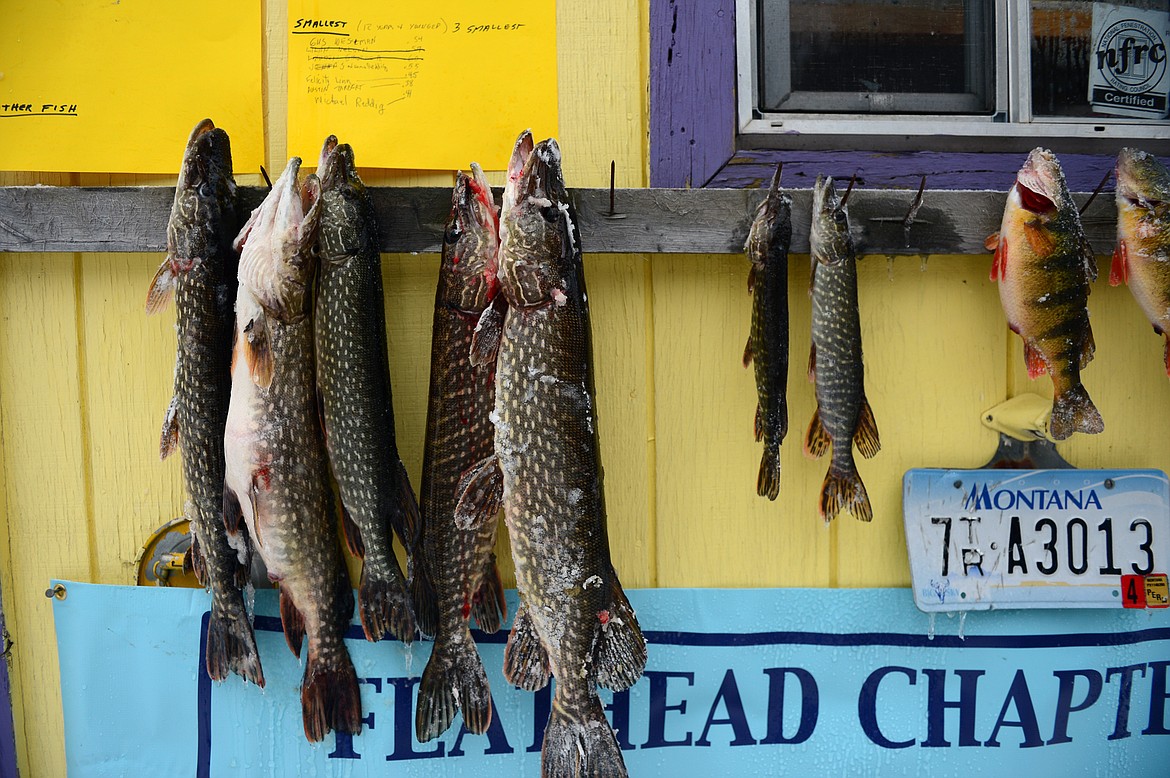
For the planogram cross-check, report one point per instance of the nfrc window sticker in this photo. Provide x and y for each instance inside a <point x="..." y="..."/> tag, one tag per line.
<point x="1127" y="68"/>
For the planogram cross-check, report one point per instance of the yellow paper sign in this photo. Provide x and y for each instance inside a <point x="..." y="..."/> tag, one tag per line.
<point x="430" y="85"/>
<point x="116" y="87"/>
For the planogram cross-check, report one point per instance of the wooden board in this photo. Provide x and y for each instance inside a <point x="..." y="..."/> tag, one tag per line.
<point x="666" y="221"/>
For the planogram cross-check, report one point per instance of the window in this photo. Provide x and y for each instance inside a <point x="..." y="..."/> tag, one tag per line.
<point x="986" y="74"/>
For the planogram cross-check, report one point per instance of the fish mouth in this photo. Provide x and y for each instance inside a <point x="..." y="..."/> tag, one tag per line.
<point x="337" y="165"/>
<point x="207" y="156"/>
<point x="521" y="152"/>
<point x="323" y="161"/>
<point x="541" y="178"/>
<point x="1038" y="182"/>
<point x="1141" y="178"/>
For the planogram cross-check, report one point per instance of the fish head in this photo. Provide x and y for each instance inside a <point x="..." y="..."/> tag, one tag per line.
<point x="276" y="244"/>
<point x="205" y="192"/>
<point x="470" y="244"/>
<point x="538" y="233"/>
<point x="1142" y="180"/>
<point x="830" y="240"/>
<point x="521" y="151"/>
<point x="772" y="227"/>
<point x="1040" y="187"/>
<point x="347" y="226"/>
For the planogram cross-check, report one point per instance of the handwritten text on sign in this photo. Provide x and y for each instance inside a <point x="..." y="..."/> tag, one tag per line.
<point x="419" y="87"/>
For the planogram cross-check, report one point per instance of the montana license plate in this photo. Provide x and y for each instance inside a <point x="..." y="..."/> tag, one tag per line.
<point x="982" y="539"/>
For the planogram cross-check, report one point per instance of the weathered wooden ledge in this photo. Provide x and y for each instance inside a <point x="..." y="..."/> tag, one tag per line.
<point x="653" y="221"/>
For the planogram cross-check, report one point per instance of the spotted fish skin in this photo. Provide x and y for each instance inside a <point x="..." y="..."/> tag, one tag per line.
<point x="455" y="575"/>
<point x="843" y="416"/>
<point x="1141" y="258"/>
<point x="353" y="379"/>
<point x="277" y="471"/>
<point x="767" y="346"/>
<point x="200" y="269"/>
<point x="574" y="619"/>
<point x="1044" y="266"/>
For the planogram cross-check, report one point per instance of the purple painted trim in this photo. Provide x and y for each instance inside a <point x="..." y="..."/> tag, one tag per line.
<point x="7" y="726"/>
<point x="902" y="170"/>
<point x="692" y="90"/>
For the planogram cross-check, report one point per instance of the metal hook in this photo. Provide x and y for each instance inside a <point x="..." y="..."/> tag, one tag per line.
<point x="613" y="214"/>
<point x="267" y="180"/>
<point x="1096" y="191"/>
<point x="849" y="189"/>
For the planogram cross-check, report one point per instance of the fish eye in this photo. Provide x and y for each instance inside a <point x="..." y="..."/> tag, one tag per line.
<point x="839" y="216"/>
<point x="452" y="233"/>
<point x="550" y="213"/>
<point x="205" y="189"/>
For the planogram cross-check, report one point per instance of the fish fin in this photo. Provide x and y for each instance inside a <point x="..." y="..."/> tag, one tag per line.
<point x="758" y="427"/>
<point x="747" y="353"/>
<point x="768" y="480"/>
<point x="487" y="604"/>
<point x="843" y="490"/>
<point x="621" y="652"/>
<point x="816" y="439"/>
<point x="384" y="604"/>
<point x="525" y="658"/>
<point x="426" y="601"/>
<point x="169" y="439"/>
<point x="1089" y="259"/>
<point x="752" y="277"/>
<point x="1088" y="347"/>
<point x="812" y="363"/>
<point x="258" y="351"/>
<point x="233" y="514"/>
<point x="353" y="534"/>
<point x="480" y="490"/>
<point x="162" y="287"/>
<point x="580" y="744"/>
<point x="231" y="643"/>
<point x="454" y="679"/>
<point x="1034" y="359"/>
<point x="293" y="623"/>
<point x="407" y="523"/>
<point x="866" y="436"/>
<point x="1119" y="270"/>
<point x="999" y="262"/>
<point x="1073" y="411"/>
<point x="1040" y="240"/>
<point x="485" y="340"/>
<point x="330" y="698"/>
<point x="991" y="242"/>
<point x="195" y="560"/>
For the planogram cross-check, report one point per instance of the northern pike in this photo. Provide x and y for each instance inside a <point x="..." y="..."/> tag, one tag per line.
<point x="455" y="575"/>
<point x="843" y="416"/>
<point x="574" y="619"/>
<point x="353" y="380"/>
<point x="1044" y="265"/>
<point x="200" y="270"/>
<point x="1142" y="256"/>
<point x="767" y="345"/>
<point x="277" y="472"/>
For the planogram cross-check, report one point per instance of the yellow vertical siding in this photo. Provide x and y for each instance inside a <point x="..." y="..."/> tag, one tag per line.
<point x="85" y="377"/>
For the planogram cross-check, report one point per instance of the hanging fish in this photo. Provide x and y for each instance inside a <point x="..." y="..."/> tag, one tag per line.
<point x="1142" y="256"/>
<point x="455" y="576"/>
<point x="574" y="618"/>
<point x="1044" y="265"/>
<point x="353" y="380"/>
<point x="277" y="471"/>
<point x="843" y="416"/>
<point x="767" y="346"/>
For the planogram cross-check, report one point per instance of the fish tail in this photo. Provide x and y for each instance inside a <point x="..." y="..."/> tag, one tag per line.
<point x="768" y="481"/>
<point x="843" y="490"/>
<point x="231" y="644"/>
<point x="1073" y="411"/>
<point x="330" y="698"/>
<point x="384" y="604"/>
<point x="580" y="744"/>
<point x="454" y="679"/>
<point x="488" y="606"/>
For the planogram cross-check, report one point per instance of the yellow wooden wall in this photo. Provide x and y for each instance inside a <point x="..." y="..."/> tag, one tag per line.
<point x="85" y="377"/>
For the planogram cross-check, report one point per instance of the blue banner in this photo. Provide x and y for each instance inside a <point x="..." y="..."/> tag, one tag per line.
<point x="806" y="682"/>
